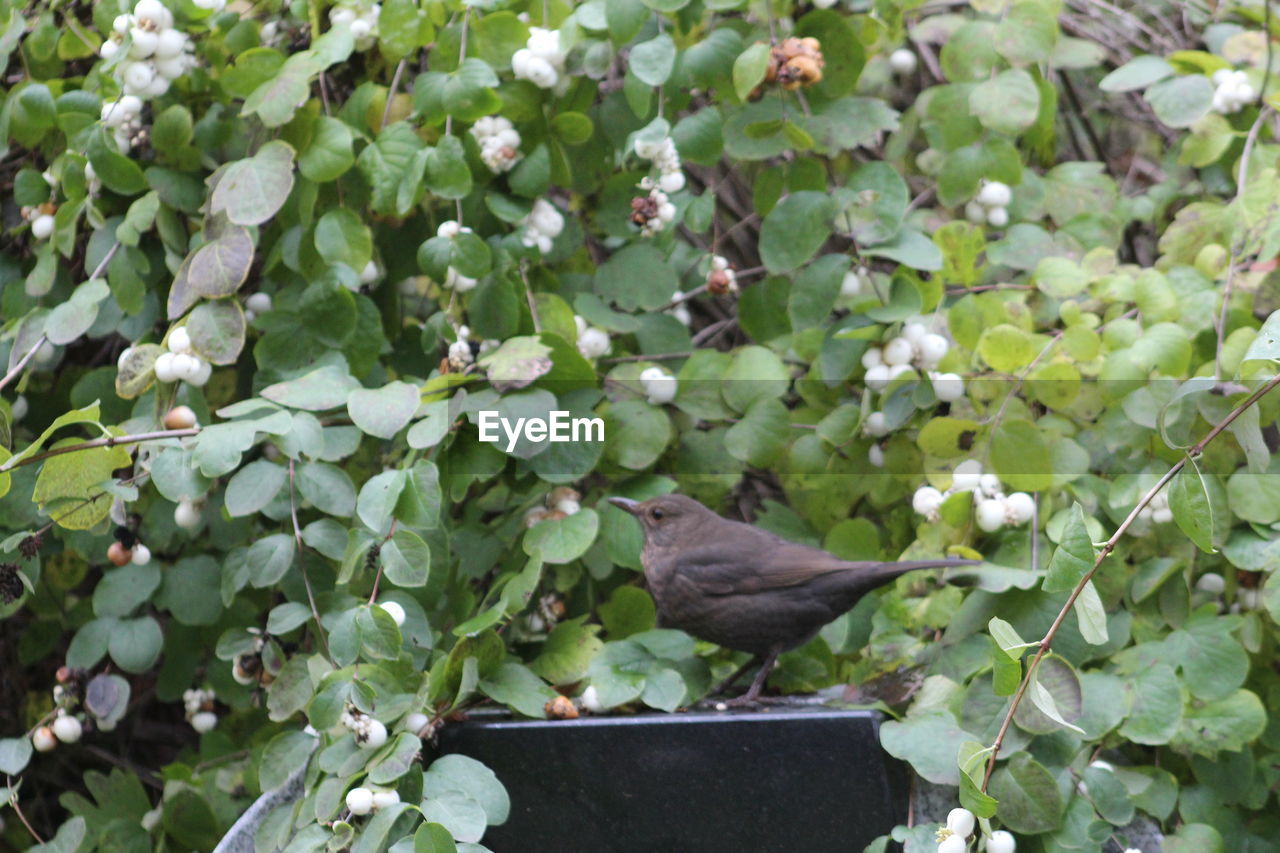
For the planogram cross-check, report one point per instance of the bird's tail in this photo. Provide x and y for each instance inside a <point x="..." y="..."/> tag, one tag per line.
<point x="885" y="572"/>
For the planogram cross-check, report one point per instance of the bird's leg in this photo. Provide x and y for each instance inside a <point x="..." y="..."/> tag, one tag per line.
<point x="733" y="679"/>
<point x="752" y="696"/>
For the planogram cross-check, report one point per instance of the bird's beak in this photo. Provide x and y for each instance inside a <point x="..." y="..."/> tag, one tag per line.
<point x="626" y="504"/>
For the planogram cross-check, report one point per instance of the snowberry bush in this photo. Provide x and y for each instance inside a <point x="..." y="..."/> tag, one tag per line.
<point x="994" y="280"/>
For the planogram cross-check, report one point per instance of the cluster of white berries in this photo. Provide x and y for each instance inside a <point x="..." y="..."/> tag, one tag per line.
<point x="541" y="61"/>
<point x="658" y="211"/>
<point x="65" y="728"/>
<point x="915" y="347"/>
<point x="592" y="342"/>
<point x="361" y="801"/>
<point x="680" y="310"/>
<point x="370" y="733"/>
<point x="158" y="52"/>
<point x="198" y="705"/>
<point x="664" y="155"/>
<point x="961" y="823"/>
<point x="255" y="304"/>
<point x="1214" y="584"/>
<point x="454" y="280"/>
<point x="903" y="61"/>
<point x="361" y="19"/>
<point x="124" y="117"/>
<point x="990" y="205"/>
<point x="499" y="143"/>
<point x="994" y="508"/>
<point x="1233" y="91"/>
<point x="461" y="355"/>
<point x="542" y="226"/>
<point x="560" y="502"/>
<point x="721" y="276"/>
<point x="180" y="363"/>
<point x="1158" y="509"/>
<point x="659" y="386"/>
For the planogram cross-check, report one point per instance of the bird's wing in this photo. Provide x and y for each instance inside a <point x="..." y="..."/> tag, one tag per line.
<point x="745" y="570"/>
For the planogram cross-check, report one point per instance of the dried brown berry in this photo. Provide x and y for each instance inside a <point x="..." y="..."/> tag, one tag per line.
<point x="10" y="584"/>
<point x="30" y="546"/>
<point x="719" y="282"/>
<point x="800" y="71"/>
<point x="561" y="708"/>
<point x="118" y="554"/>
<point x="643" y="208"/>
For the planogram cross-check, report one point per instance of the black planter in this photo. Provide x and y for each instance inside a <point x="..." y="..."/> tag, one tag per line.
<point x="794" y="779"/>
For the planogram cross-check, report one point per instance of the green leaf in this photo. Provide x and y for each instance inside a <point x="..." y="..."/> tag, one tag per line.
<point x="383" y="412"/>
<point x="135" y="644"/>
<point x="217" y="331"/>
<point x="1155" y="706"/>
<point x="447" y="173"/>
<point x="406" y="559"/>
<point x="1020" y="456"/>
<point x="1223" y="725"/>
<point x="329" y="155"/>
<point x="1074" y="556"/>
<point x="15" y="752"/>
<point x="515" y="686"/>
<point x="327" y="387"/>
<point x="284" y="753"/>
<point x="1182" y="101"/>
<point x="929" y="742"/>
<point x="749" y="69"/>
<point x="251" y="191"/>
<point x="563" y="540"/>
<point x="1138" y="73"/>
<point x="794" y="230"/>
<point x="570" y="648"/>
<point x="1189" y="502"/>
<point x="342" y="237"/>
<point x="1091" y="615"/>
<point x="253" y="487"/>
<point x="652" y="60"/>
<point x="1007" y="103"/>
<point x="1030" y="801"/>
<point x="215" y="270"/>
<point x="638" y="276"/>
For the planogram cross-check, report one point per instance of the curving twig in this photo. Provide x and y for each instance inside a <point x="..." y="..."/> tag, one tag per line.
<point x="1107" y="547"/>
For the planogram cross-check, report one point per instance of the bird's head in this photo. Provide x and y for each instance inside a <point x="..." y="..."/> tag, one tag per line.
<point x="668" y="518"/>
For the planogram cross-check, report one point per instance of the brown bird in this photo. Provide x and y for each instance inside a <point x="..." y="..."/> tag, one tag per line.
<point x="744" y="588"/>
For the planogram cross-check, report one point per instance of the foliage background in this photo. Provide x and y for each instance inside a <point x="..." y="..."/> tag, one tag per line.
<point x="1101" y="332"/>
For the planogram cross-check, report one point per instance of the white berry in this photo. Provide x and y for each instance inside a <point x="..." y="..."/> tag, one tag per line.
<point x="1212" y="583"/>
<point x="990" y="515"/>
<point x="67" y="729"/>
<point x="1019" y="507"/>
<point x="180" y="340"/>
<point x="416" y="721"/>
<point x="164" y="368"/>
<point x="359" y="801"/>
<point x="878" y="376"/>
<point x="43" y="739"/>
<point x="898" y="351"/>
<point x="932" y="348"/>
<point x="995" y="194"/>
<point x="947" y="387"/>
<point x="259" y="303"/>
<point x="205" y="721"/>
<point x="966" y="475"/>
<point x="876" y="425"/>
<point x="1001" y="842"/>
<point x="186" y="516"/>
<point x="382" y="799"/>
<point x="961" y="822"/>
<point x="872" y="357"/>
<point x="875" y="455"/>
<point x="926" y="500"/>
<point x="141" y="555"/>
<point x="952" y="844"/>
<point x="394" y="610"/>
<point x="997" y="217"/>
<point x="590" y="700"/>
<point x="376" y="735"/>
<point x="902" y="61"/>
<point x="975" y="213"/>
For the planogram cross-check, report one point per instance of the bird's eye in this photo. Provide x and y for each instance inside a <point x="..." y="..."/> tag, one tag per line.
<point x="657" y="514"/>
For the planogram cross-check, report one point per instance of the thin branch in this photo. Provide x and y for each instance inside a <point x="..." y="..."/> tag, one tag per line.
<point x="302" y="563"/>
<point x="391" y="94"/>
<point x="1107" y="547"/>
<point x="105" y="441"/>
<point x="13" y="803"/>
<point x="17" y="368"/>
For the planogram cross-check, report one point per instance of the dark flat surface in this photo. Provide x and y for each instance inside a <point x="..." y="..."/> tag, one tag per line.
<point x="787" y="779"/>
